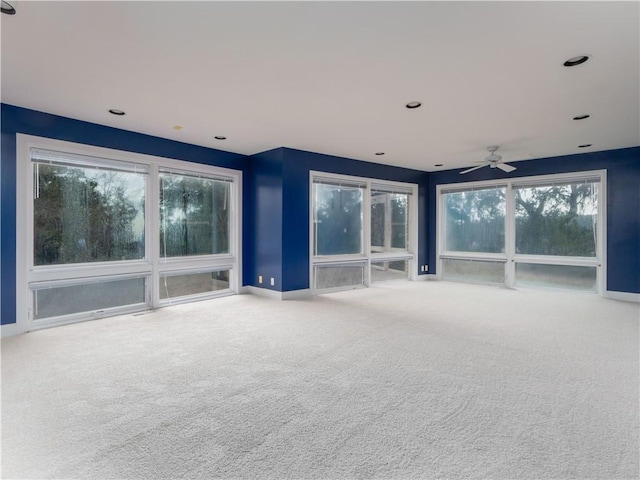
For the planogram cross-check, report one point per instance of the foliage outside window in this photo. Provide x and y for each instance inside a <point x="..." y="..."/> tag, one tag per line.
<point x="88" y="216"/>
<point x="475" y="220"/>
<point x="194" y="215"/>
<point x="338" y="220"/>
<point x="557" y="219"/>
<point x="361" y="232"/>
<point x="389" y="221"/>
<point x="552" y="229"/>
<point x="85" y="214"/>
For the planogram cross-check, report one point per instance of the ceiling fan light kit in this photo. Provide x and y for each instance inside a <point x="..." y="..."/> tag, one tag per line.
<point x="493" y="161"/>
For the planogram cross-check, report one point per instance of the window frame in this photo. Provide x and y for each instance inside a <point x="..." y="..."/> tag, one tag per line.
<point x="510" y="258"/>
<point x="151" y="266"/>
<point x="367" y="257"/>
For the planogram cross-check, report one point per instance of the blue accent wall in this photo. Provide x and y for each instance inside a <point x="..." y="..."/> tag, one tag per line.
<point x="276" y="198"/>
<point x="277" y="220"/>
<point x="263" y="220"/>
<point x="21" y="120"/>
<point x="623" y="204"/>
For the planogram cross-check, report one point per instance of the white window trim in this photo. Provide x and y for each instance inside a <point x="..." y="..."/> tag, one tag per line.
<point x="367" y="256"/>
<point x="151" y="266"/>
<point x="509" y="257"/>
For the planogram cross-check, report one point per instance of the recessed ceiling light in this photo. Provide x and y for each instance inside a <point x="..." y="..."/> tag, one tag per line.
<point x="413" y="104"/>
<point x="438" y="165"/>
<point x="177" y="127"/>
<point x="379" y="153"/>
<point x="7" y="8"/>
<point x="585" y="145"/>
<point x="115" y="111"/>
<point x="220" y="137"/>
<point x="581" y="117"/>
<point x="572" y="62"/>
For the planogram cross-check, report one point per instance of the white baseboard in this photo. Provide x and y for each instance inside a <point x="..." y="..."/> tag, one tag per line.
<point x="624" y="296"/>
<point x="274" y="294"/>
<point x="9" y="330"/>
<point x="297" y="294"/>
<point x="429" y="277"/>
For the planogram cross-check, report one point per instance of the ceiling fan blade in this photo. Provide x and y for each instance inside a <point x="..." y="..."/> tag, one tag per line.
<point x="505" y="168"/>
<point x="471" y="169"/>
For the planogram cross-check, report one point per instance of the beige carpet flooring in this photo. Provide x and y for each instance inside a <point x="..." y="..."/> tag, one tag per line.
<point x="402" y="380"/>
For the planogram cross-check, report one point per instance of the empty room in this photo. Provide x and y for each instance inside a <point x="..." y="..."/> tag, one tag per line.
<point x="331" y="240"/>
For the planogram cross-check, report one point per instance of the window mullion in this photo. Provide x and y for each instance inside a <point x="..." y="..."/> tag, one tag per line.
<point x="366" y="220"/>
<point x="510" y="236"/>
<point x="152" y="213"/>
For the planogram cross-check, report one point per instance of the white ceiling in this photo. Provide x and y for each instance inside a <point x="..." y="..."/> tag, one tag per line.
<point x="334" y="77"/>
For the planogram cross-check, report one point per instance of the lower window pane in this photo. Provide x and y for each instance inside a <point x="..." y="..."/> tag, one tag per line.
<point x="172" y="286"/>
<point x="473" y="270"/>
<point x="339" y="276"/>
<point x="389" y="270"/>
<point x="88" y="297"/>
<point x="564" y="276"/>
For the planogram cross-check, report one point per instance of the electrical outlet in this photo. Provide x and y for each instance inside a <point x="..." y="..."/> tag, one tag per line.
<point x="422" y="268"/>
<point x="426" y="268"/>
<point x="273" y="281"/>
<point x="259" y="278"/>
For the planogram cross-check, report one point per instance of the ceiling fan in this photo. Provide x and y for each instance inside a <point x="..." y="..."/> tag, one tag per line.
<point x="493" y="160"/>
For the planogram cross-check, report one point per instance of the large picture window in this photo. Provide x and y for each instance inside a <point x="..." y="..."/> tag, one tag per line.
<point x="362" y="231"/>
<point x="85" y="210"/>
<point x="475" y="220"/>
<point x="194" y="215"/>
<point x="543" y="231"/>
<point x="557" y="219"/>
<point x="108" y="232"/>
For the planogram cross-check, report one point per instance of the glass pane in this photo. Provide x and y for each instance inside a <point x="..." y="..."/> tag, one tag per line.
<point x="338" y="220"/>
<point x="378" y="222"/>
<point x="389" y="224"/>
<point x="564" y="276"/>
<point x="473" y="270"/>
<point x="557" y="220"/>
<point x="335" y="276"/>
<point x="399" y="222"/>
<point x="475" y="220"/>
<point x="88" y="297"/>
<point x="82" y="214"/>
<point x="389" y="270"/>
<point x="172" y="286"/>
<point x="194" y="216"/>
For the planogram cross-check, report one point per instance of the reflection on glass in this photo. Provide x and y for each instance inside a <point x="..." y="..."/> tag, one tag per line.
<point x="389" y="221"/>
<point x="88" y="297"/>
<point x="83" y="214"/>
<point x="473" y="270"/>
<point x="194" y="216"/>
<point x="338" y="220"/>
<point x="337" y="276"/>
<point x="475" y="220"/>
<point x="172" y="286"/>
<point x="562" y="276"/>
<point x="557" y="220"/>
<point x="389" y="270"/>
